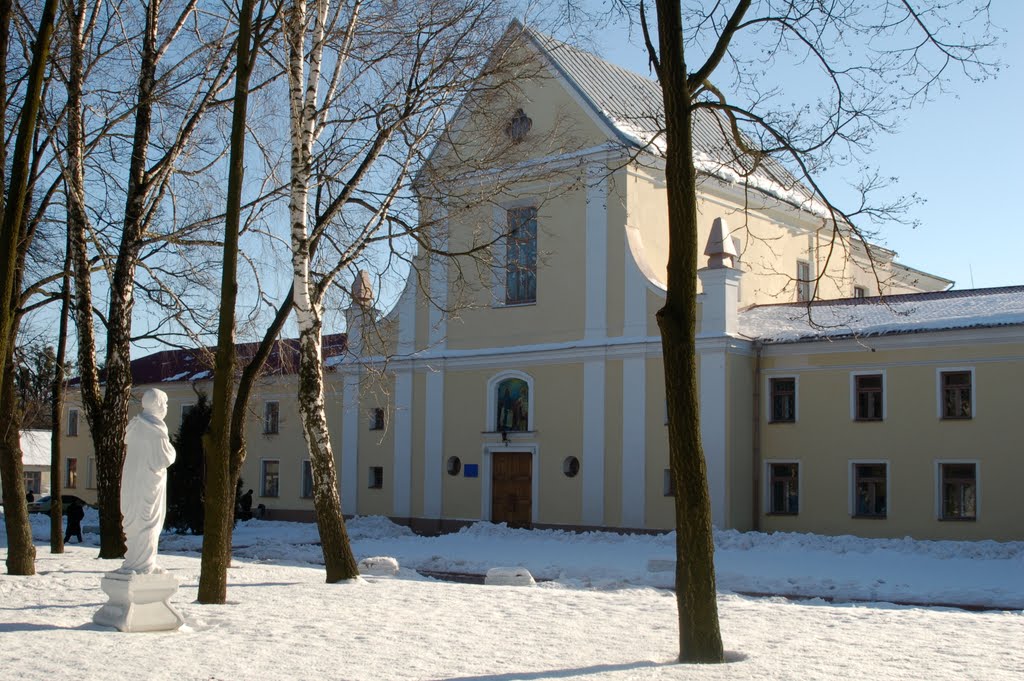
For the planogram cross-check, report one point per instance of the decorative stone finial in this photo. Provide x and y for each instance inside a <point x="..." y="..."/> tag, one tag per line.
<point x="720" y="250"/>
<point x="362" y="290"/>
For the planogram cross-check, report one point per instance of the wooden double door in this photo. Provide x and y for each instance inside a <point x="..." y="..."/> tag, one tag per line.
<point x="512" y="488"/>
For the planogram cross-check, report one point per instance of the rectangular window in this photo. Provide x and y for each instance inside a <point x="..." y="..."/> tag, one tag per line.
<point x="958" y="486"/>
<point x="956" y="394"/>
<point x="668" y="487"/>
<point x="803" y="281"/>
<point x="71" y="473"/>
<point x="271" y="418"/>
<point x="868" y="389"/>
<point x="377" y="419"/>
<point x="72" y="430"/>
<point x="90" y="473"/>
<point x="860" y="292"/>
<point x="870" y="483"/>
<point x="186" y="409"/>
<point x="307" y="480"/>
<point x="270" y="478"/>
<point x="783" y="400"/>
<point x="783" y="488"/>
<point x="376" y="477"/>
<point x="33" y="481"/>
<point x="521" y="256"/>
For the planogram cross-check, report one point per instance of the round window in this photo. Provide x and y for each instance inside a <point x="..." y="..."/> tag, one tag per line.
<point x="454" y="465"/>
<point x="571" y="466"/>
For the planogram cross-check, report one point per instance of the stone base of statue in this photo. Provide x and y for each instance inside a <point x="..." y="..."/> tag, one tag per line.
<point x="139" y="602"/>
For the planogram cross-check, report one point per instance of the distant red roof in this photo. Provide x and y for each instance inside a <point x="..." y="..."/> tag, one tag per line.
<point x="168" y="366"/>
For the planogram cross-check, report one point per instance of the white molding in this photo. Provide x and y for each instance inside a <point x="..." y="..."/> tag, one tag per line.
<point x="350" y="444"/>
<point x="851" y="487"/>
<point x="924" y="338"/>
<point x="486" y="482"/>
<point x="937" y="469"/>
<point x="490" y="418"/>
<point x="402" y="460"/>
<point x="593" y="442"/>
<point x="596" y="240"/>
<point x="634" y="441"/>
<point x="433" y="445"/>
<point x="853" y="393"/>
<point x="938" y="390"/>
<point x="714" y="432"/>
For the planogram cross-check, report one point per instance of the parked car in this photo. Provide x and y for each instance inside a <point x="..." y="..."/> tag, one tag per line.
<point x="42" y="504"/>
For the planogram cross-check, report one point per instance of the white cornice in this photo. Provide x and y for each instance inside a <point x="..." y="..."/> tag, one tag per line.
<point x="902" y="341"/>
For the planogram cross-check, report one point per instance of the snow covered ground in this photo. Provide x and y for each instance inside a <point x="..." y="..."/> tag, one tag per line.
<point x="603" y="615"/>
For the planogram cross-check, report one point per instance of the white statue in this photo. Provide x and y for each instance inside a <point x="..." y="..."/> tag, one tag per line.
<point x="144" y="483"/>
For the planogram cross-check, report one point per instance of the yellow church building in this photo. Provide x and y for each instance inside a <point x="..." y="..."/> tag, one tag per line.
<point x="840" y="393"/>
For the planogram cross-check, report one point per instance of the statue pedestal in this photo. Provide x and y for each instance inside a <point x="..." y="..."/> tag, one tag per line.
<point x="139" y="602"/>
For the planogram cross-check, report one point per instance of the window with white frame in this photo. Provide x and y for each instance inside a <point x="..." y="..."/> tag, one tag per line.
<point x="90" y="473"/>
<point x="956" y="394"/>
<point x="870" y="489"/>
<point x="868" y="396"/>
<point x="376" y="418"/>
<point x="784" y="488"/>
<point x="307" y="480"/>
<point x="803" y="280"/>
<point x="33" y="481"/>
<point x="521" y="256"/>
<point x="271" y="418"/>
<point x="782" y="399"/>
<point x="270" y="478"/>
<point x="71" y="473"/>
<point x="72" y="428"/>
<point x="958" y="490"/>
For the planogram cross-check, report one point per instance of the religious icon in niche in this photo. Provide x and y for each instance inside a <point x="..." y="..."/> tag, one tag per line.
<point x="518" y="126"/>
<point x="513" y="405"/>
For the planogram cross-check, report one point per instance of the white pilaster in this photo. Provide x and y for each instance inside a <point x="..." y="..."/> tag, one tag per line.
<point x="433" y="449"/>
<point x="350" y="441"/>
<point x="438" y="316"/>
<point x="634" y="441"/>
<point x="593" y="442"/>
<point x="596" y="310"/>
<point x="402" y="460"/>
<point x="713" y="408"/>
<point x="635" y="303"/>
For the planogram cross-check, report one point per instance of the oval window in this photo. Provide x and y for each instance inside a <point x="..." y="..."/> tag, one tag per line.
<point x="454" y="465"/>
<point x="571" y="466"/>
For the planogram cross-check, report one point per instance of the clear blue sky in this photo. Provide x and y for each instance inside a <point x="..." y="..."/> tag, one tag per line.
<point x="962" y="153"/>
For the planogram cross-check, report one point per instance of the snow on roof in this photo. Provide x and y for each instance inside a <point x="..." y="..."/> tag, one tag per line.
<point x="633" y="107"/>
<point x="877" y="316"/>
<point x="35" y="447"/>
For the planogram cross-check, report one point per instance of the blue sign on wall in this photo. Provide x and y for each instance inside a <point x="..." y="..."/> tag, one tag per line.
<point x="471" y="470"/>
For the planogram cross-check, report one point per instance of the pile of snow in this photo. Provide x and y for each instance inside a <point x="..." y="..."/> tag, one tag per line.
<point x="509" y="576"/>
<point x="378" y="566"/>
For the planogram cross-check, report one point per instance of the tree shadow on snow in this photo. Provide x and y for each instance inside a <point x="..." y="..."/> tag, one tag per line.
<point x="730" y="656"/>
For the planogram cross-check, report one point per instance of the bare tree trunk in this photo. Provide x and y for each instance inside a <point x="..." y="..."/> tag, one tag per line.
<point x="21" y="553"/>
<point x="220" y="485"/>
<point x="57" y="409"/>
<point x="337" y="551"/>
<point x="696" y="598"/>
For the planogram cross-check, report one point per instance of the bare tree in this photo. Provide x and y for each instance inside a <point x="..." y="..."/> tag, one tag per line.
<point x="872" y="58"/>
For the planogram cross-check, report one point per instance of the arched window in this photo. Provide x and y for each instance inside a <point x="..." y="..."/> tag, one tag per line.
<point x="512" y="404"/>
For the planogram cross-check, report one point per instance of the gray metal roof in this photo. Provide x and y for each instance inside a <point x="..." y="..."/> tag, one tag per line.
<point x="632" y="106"/>
<point x="880" y="316"/>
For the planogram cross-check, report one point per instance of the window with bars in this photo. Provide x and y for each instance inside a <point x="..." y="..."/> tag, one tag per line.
<point x="270" y="478"/>
<point x="870" y="482"/>
<point x="521" y="256"/>
<point x="956" y="394"/>
<point x="783" y="400"/>
<point x="958" y="486"/>
<point x="271" y="418"/>
<point x="784" y="488"/>
<point x="869" y="395"/>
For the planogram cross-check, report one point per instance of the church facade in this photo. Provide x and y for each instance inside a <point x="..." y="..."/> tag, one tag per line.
<point x="841" y="391"/>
